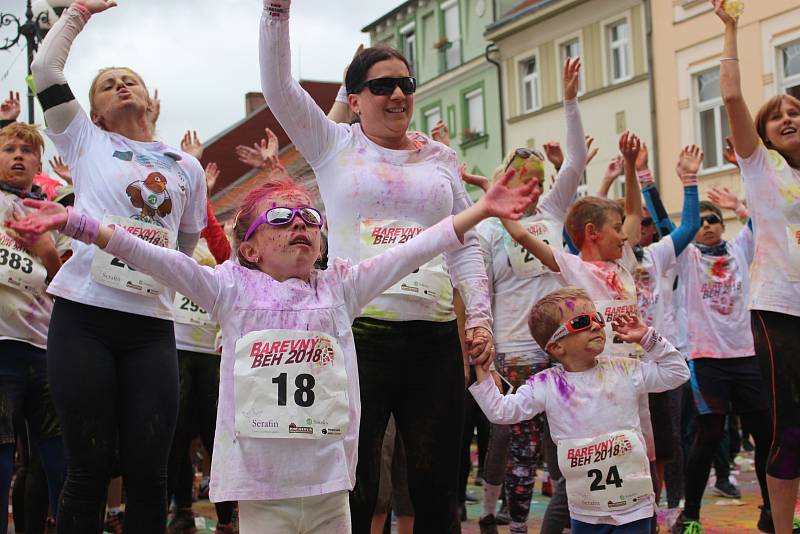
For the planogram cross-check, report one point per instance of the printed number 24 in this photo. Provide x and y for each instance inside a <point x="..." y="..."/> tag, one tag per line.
<point x="303" y="395"/>
<point x="612" y="479"/>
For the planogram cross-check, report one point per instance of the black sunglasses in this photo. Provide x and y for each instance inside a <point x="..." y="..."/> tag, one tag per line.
<point x="386" y="86"/>
<point x="525" y="153"/>
<point x="647" y="221"/>
<point x="710" y="219"/>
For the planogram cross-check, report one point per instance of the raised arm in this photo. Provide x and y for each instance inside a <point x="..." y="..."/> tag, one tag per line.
<point x="302" y="119"/>
<point x="55" y="96"/>
<point x="535" y="246"/>
<point x="570" y="174"/>
<point x="689" y="162"/>
<point x="745" y="136"/>
<point x="629" y="146"/>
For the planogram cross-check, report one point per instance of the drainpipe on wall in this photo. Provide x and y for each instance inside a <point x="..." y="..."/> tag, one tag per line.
<point x="648" y="21"/>
<point x="489" y="49"/>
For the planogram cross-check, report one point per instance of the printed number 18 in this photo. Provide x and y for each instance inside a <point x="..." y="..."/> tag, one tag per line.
<point x="612" y="479"/>
<point x="303" y="395"/>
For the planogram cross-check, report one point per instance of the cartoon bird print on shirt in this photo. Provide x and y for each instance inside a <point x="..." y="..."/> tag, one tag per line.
<point x="151" y="196"/>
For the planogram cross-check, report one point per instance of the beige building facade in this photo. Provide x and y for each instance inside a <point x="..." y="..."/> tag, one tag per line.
<point x="532" y="41"/>
<point x="687" y="41"/>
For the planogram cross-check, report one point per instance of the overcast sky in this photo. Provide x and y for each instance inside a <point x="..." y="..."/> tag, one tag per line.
<point x="202" y="55"/>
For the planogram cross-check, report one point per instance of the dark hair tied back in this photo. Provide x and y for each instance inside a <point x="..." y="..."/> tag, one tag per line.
<point x="357" y="71"/>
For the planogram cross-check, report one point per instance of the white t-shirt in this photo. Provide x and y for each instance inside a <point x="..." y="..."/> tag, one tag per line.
<point x="147" y="182"/>
<point x="25" y="306"/>
<point x="655" y="278"/>
<point x="195" y="331"/>
<point x="772" y="188"/>
<point x="361" y="181"/>
<point x="716" y="289"/>
<point x="589" y="403"/>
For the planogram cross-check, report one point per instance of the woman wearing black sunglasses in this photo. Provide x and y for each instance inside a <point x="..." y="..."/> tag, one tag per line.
<point x="381" y="185"/>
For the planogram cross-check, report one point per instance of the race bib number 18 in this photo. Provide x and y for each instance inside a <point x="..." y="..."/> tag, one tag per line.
<point x="290" y="384"/>
<point x="605" y="474"/>
<point x="113" y="272"/>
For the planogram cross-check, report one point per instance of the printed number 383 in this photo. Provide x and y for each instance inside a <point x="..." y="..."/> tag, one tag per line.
<point x="15" y="261"/>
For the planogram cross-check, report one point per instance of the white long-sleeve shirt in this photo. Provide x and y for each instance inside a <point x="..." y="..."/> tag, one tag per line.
<point x="361" y="181"/>
<point x="590" y="403"/>
<point x="514" y="292"/>
<point x="245" y="300"/>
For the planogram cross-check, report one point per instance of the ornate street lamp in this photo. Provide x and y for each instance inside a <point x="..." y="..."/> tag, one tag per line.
<point x="39" y="18"/>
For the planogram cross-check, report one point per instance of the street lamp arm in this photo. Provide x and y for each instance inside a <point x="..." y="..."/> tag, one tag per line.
<point x="7" y="19"/>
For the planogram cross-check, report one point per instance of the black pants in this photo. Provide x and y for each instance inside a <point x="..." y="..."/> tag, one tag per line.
<point x="474" y="419"/>
<point x="415" y="371"/>
<point x="197" y="416"/>
<point x="113" y="374"/>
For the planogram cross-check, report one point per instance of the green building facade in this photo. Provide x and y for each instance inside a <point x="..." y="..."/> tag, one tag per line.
<point x="443" y="40"/>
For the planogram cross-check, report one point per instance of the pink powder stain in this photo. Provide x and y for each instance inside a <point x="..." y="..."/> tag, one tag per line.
<point x="570" y="302"/>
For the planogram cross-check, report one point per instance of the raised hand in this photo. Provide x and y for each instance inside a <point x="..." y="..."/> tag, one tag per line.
<point x="614" y="169"/>
<point x="97" y="6"/>
<point x="191" y="144"/>
<point x="629" y="328"/>
<point x="212" y="173"/>
<point x="269" y="146"/>
<point x="590" y="152"/>
<point x="554" y="154"/>
<point x="729" y="153"/>
<point x="155" y="108"/>
<point x="719" y="9"/>
<point x="61" y="169"/>
<point x="10" y="108"/>
<point x="49" y="216"/>
<point x="642" y="159"/>
<point x="630" y="146"/>
<point x="689" y="161"/>
<point x="572" y="77"/>
<point x="474" y="179"/>
<point x="441" y="133"/>
<point x="724" y="198"/>
<point x="507" y="203"/>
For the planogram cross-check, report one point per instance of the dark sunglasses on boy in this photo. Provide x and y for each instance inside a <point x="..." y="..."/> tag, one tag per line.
<point x="280" y="216"/>
<point x="577" y="324"/>
<point x="710" y="219"/>
<point x="386" y="86"/>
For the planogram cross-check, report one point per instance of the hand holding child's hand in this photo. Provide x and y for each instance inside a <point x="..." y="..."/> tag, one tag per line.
<point x="629" y="328"/>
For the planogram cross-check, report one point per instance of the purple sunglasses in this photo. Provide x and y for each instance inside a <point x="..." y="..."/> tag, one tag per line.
<point x="279" y="216"/>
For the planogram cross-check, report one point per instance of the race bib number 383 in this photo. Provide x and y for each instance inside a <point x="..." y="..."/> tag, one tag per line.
<point x="290" y="384"/>
<point x="605" y="474"/>
<point x="18" y="268"/>
<point x="113" y="272"/>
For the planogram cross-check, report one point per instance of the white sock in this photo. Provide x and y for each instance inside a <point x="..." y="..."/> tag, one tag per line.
<point x="114" y="511"/>
<point x="490" y="495"/>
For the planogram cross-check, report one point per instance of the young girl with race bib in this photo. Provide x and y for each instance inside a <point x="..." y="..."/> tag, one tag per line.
<point x="591" y="403"/>
<point x="289" y="406"/>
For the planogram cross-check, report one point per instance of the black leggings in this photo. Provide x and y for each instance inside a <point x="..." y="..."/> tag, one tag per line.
<point x="415" y="371"/>
<point x="197" y="416"/>
<point x="113" y="374"/>
<point x="777" y="338"/>
<point x="710" y="429"/>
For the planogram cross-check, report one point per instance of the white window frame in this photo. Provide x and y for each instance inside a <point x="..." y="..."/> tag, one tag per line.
<point x="698" y="107"/>
<point x="534" y="79"/>
<point x="609" y="47"/>
<point x="578" y="35"/>
<point x="469" y="96"/>
<point x="792" y="81"/>
<point x="428" y="114"/>
<point x="455" y="48"/>
<point x="406" y="32"/>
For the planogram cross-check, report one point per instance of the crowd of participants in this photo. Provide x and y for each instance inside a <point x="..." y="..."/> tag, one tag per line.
<point x="337" y="365"/>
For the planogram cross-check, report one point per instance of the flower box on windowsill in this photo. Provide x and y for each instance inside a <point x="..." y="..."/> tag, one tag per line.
<point x="470" y="139"/>
<point x="442" y="44"/>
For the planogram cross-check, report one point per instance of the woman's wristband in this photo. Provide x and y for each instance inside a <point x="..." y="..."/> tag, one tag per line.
<point x="81" y="227"/>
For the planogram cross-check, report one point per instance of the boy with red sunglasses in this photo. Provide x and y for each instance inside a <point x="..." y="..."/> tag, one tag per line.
<point x="592" y="407"/>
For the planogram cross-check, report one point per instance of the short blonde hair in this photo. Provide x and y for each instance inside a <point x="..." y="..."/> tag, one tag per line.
<point x="547" y="314"/>
<point x="27" y="133"/>
<point x="589" y="210"/>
